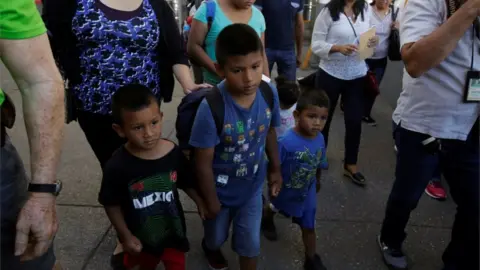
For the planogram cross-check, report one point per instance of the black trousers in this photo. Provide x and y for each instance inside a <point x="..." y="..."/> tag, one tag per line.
<point x="100" y="134"/>
<point x="459" y="162"/>
<point x="353" y="98"/>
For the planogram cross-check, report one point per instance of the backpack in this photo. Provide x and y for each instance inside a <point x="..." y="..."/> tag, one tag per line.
<point x="210" y="14"/>
<point x="187" y="110"/>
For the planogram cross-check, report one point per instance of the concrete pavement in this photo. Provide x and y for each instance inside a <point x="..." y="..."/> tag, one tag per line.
<point x="348" y="219"/>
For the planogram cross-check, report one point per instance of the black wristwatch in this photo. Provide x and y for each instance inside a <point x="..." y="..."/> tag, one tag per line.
<point x="46" y="188"/>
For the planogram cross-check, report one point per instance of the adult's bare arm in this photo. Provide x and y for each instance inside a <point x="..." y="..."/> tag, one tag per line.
<point x="430" y="51"/>
<point x="299" y="29"/>
<point x="33" y="68"/>
<point x="195" y="49"/>
<point x="31" y="64"/>
<point x="266" y="69"/>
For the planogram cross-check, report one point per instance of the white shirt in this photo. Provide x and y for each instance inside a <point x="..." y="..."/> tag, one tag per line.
<point x="287" y="120"/>
<point x="433" y="103"/>
<point x="383" y="27"/>
<point x="327" y="33"/>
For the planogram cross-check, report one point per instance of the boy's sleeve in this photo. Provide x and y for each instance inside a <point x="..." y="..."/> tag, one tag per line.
<point x="201" y="13"/>
<point x="323" y="158"/>
<point x="184" y="172"/>
<point x="276" y="121"/>
<point x="204" y="131"/>
<point x="110" y="192"/>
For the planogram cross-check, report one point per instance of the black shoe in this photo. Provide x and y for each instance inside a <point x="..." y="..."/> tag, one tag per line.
<point x="116" y="261"/>
<point x="393" y="258"/>
<point x="315" y="264"/>
<point x="369" y="121"/>
<point x="357" y="178"/>
<point x="215" y="258"/>
<point x="268" y="229"/>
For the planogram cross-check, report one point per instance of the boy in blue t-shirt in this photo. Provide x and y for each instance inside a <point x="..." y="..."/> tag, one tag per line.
<point x="302" y="155"/>
<point x="231" y="168"/>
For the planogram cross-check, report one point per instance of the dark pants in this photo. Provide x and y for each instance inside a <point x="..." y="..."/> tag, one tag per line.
<point x="353" y="98"/>
<point x="437" y="173"/>
<point x="286" y="61"/>
<point x="13" y="194"/>
<point x="100" y="135"/>
<point x="378" y="66"/>
<point x="459" y="162"/>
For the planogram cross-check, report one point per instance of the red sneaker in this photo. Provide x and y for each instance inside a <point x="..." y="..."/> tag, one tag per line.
<point x="436" y="190"/>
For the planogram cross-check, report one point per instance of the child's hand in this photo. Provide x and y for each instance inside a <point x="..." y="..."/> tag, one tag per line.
<point x="213" y="208"/>
<point x="202" y="210"/>
<point x="318" y="185"/>
<point x="275" y="183"/>
<point x="132" y="245"/>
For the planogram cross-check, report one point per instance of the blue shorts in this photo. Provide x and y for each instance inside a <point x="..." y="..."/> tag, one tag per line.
<point x="246" y="221"/>
<point x="306" y="218"/>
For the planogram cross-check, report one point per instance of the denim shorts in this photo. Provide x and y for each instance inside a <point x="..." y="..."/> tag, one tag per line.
<point x="306" y="219"/>
<point x="13" y="192"/>
<point x="246" y="221"/>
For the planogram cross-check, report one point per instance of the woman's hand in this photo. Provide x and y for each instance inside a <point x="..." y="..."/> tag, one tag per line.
<point x="345" y="49"/>
<point x="193" y="87"/>
<point x="373" y="42"/>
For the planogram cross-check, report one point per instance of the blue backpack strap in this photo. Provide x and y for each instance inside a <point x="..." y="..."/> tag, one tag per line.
<point x="215" y="101"/>
<point x="267" y="93"/>
<point x="211" y="8"/>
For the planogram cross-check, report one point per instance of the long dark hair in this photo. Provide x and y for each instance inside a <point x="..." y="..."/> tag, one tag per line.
<point x="336" y="7"/>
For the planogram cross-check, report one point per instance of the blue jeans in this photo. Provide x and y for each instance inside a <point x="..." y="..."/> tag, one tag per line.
<point x="286" y="62"/>
<point x="378" y="66"/>
<point x="246" y="221"/>
<point x="459" y="162"/>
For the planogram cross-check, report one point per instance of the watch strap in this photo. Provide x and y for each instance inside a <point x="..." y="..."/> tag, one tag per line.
<point x="43" y="188"/>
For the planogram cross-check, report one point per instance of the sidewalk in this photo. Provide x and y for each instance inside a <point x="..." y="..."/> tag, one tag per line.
<point x="348" y="219"/>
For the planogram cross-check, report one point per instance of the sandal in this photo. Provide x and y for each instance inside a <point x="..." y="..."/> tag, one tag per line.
<point x="357" y="177"/>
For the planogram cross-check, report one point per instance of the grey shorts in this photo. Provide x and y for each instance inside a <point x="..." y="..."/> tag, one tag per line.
<point x="13" y="192"/>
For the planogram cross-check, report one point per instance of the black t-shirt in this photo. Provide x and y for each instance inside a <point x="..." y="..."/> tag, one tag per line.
<point x="146" y="191"/>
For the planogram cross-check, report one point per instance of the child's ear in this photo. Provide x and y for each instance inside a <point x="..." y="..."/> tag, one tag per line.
<point x="119" y="130"/>
<point x="219" y="70"/>
<point x="296" y="115"/>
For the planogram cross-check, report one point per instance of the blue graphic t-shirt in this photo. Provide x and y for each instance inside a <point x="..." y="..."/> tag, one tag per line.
<point x="239" y="163"/>
<point x="300" y="158"/>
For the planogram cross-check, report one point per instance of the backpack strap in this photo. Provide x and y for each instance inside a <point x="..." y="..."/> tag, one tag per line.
<point x="215" y="101"/>
<point x="211" y="8"/>
<point x="267" y="93"/>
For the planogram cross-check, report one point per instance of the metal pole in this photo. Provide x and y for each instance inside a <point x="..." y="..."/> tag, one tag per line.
<point x="179" y="9"/>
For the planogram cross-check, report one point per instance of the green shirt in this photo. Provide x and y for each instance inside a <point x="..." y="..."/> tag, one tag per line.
<point x="19" y="19"/>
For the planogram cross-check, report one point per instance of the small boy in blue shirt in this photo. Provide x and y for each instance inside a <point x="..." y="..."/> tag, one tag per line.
<point x="302" y="157"/>
<point x="230" y="165"/>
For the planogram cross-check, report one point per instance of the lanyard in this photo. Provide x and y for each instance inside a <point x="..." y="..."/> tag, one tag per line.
<point x="473" y="47"/>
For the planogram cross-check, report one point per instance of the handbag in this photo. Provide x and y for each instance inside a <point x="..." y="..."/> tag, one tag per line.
<point x="394" y="40"/>
<point x="370" y="85"/>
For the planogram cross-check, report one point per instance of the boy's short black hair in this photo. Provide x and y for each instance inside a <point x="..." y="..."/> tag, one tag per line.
<point x="237" y="39"/>
<point x="288" y="91"/>
<point x="131" y="97"/>
<point x="312" y="97"/>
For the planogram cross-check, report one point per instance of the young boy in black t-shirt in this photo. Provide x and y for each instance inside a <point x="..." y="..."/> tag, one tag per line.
<point x="139" y="186"/>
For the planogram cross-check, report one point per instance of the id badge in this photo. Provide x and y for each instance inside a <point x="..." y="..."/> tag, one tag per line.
<point x="472" y="87"/>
